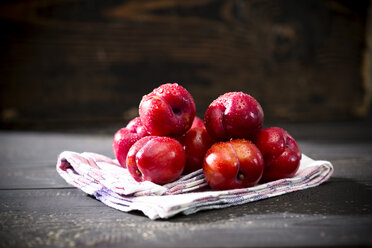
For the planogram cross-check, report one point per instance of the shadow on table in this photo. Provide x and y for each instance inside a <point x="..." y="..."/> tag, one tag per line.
<point x="338" y="196"/>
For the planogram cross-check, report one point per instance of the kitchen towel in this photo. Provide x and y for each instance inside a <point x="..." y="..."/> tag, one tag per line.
<point x="101" y="177"/>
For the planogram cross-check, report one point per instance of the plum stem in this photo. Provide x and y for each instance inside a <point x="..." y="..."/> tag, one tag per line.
<point x="240" y="176"/>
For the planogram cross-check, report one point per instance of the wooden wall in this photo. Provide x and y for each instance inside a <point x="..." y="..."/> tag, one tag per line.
<point x="83" y="62"/>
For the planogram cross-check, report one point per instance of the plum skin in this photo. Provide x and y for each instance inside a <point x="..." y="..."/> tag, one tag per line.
<point x="168" y="110"/>
<point x="136" y="126"/>
<point x="198" y="123"/>
<point x="282" y="155"/>
<point x="233" y="164"/>
<point x="234" y="115"/>
<point x="125" y="137"/>
<point x="196" y="143"/>
<point x="157" y="159"/>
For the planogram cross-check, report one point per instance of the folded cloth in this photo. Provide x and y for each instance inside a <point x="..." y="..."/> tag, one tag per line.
<point x="101" y="177"/>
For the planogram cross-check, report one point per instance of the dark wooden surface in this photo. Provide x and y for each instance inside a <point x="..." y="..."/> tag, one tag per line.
<point x="89" y="61"/>
<point x="38" y="209"/>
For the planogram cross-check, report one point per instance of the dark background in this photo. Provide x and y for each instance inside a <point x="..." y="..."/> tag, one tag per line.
<point x="87" y="63"/>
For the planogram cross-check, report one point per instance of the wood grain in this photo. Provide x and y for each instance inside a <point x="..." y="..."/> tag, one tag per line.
<point x="87" y="62"/>
<point x="27" y="160"/>
<point x="38" y="209"/>
<point x="68" y="218"/>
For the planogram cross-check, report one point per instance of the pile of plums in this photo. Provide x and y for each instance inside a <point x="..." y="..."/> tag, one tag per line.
<point x="168" y="140"/>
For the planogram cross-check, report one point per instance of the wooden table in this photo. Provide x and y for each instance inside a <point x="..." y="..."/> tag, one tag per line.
<point x="38" y="209"/>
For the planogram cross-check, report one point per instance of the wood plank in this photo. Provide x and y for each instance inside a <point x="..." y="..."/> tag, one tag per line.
<point x="330" y="131"/>
<point x="329" y="150"/>
<point x="36" y="212"/>
<point x="28" y="159"/>
<point x="91" y="61"/>
<point x="318" y="140"/>
<point x="45" y="176"/>
<point x="36" y="177"/>
<point x="336" y="213"/>
<point x="32" y="148"/>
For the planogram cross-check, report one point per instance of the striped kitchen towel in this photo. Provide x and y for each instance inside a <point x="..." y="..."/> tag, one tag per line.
<point x="101" y="177"/>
